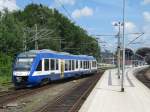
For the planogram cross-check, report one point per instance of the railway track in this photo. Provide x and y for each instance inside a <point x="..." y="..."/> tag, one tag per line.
<point x="72" y="100"/>
<point x="7" y="97"/>
<point x="144" y="80"/>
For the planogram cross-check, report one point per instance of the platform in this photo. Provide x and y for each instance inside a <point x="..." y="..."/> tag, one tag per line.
<point x="106" y="96"/>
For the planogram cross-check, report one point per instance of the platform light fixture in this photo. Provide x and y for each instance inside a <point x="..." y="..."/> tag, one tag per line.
<point x="123" y="47"/>
<point x="118" y="24"/>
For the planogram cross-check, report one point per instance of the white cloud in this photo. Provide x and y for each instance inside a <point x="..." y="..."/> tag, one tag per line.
<point x="146" y="1"/>
<point x="68" y="2"/>
<point x="146" y="16"/>
<point x="146" y="37"/>
<point x="86" y="11"/>
<point x="130" y="27"/>
<point x="145" y="28"/>
<point x="8" y="4"/>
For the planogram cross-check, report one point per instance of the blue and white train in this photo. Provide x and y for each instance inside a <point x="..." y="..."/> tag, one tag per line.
<point x="36" y="67"/>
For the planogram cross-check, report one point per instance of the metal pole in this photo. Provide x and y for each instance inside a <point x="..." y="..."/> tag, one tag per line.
<point x="24" y="42"/>
<point x="36" y="43"/>
<point x="119" y="51"/>
<point x="123" y="42"/>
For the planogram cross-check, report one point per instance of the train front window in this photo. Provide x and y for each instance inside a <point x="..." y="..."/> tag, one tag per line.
<point x="23" y="64"/>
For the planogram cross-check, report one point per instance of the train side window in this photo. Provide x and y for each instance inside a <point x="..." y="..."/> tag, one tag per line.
<point x="69" y="64"/>
<point x="57" y="67"/>
<point x="52" y="64"/>
<point x="46" y="64"/>
<point x="73" y="63"/>
<point x="39" y="67"/>
<point x="84" y="64"/>
<point x="66" y="65"/>
<point x="93" y="63"/>
<point x="80" y="64"/>
<point x="76" y="64"/>
<point x="88" y="64"/>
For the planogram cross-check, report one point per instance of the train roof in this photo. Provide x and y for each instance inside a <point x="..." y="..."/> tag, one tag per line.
<point x="46" y="52"/>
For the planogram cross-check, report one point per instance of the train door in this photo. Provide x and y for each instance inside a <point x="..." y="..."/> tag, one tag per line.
<point x="62" y="68"/>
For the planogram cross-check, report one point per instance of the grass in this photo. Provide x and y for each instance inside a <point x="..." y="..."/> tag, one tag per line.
<point x="4" y="80"/>
<point x="5" y="70"/>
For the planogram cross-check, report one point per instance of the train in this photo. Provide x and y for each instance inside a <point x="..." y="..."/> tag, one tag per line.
<point x="37" y="67"/>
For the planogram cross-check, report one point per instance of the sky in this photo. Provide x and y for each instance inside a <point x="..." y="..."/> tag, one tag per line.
<point x="97" y="17"/>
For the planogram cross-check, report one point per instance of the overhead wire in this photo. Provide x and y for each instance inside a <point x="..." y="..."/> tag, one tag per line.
<point x="67" y="12"/>
<point x="135" y="39"/>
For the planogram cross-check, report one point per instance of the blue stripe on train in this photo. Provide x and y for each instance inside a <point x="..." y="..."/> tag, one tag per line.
<point x="36" y="80"/>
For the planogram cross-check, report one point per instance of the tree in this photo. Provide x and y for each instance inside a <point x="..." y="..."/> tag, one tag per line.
<point x="10" y="35"/>
<point x="143" y="51"/>
<point x="75" y="40"/>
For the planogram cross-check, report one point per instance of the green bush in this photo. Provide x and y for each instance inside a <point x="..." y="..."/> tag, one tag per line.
<point x="5" y="68"/>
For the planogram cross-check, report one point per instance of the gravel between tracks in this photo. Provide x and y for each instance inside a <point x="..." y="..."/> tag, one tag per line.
<point x="31" y="103"/>
<point x="72" y="100"/>
<point x="144" y="76"/>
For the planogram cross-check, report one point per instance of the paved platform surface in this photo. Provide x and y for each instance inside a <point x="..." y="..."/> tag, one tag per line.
<point x="106" y="96"/>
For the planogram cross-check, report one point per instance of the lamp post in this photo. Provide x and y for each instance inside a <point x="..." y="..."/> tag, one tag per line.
<point x="123" y="49"/>
<point x="119" y="46"/>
